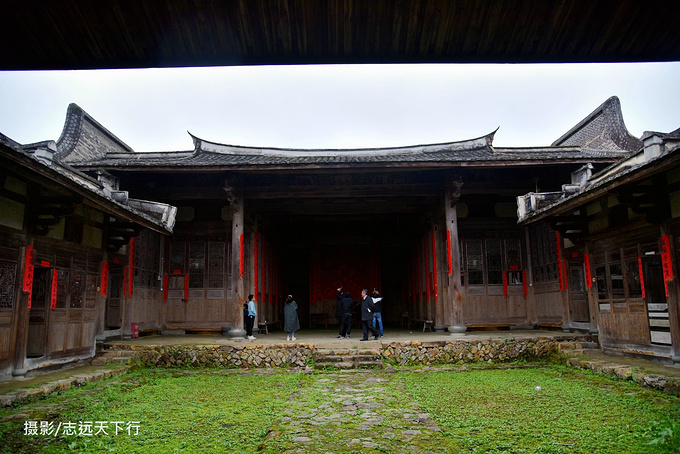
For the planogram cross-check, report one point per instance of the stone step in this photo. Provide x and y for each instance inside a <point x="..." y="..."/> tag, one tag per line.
<point x="111" y="357"/>
<point x="347" y="351"/>
<point x="341" y="358"/>
<point x="350" y="364"/>
<point x="578" y="345"/>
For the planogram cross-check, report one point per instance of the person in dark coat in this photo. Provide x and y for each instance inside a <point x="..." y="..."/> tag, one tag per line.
<point x="347" y="306"/>
<point x="291" y="322"/>
<point x="338" y="310"/>
<point x="367" y="308"/>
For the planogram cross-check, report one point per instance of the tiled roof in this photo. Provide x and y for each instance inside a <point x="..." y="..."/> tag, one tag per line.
<point x="85" y="143"/>
<point x="42" y="157"/>
<point x="208" y="154"/>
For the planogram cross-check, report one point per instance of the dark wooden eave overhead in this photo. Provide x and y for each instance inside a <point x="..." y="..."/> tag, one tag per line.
<point x="87" y="34"/>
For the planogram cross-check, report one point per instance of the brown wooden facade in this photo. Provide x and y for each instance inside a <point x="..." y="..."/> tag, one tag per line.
<point x="60" y="264"/>
<point x="620" y="233"/>
<point x="433" y="227"/>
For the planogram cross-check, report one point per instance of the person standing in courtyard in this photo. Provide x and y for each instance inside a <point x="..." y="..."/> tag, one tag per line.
<point x="250" y="320"/>
<point x="377" y="312"/>
<point x="367" y="308"/>
<point x="338" y="310"/>
<point x="291" y="321"/>
<point x="346" y="321"/>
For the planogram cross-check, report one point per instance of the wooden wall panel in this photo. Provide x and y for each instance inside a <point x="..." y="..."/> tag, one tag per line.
<point x="56" y="332"/>
<point x="493" y="309"/>
<point x="624" y="326"/>
<point x="5" y="334"/>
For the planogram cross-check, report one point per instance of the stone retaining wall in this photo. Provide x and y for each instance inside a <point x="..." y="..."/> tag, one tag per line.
<point x="461" y="351"/>
<point x="225" y="356"/>
<point x="300" y="355"/>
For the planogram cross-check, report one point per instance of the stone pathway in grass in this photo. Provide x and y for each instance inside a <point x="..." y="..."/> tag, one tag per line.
<point x="354" y="412"/>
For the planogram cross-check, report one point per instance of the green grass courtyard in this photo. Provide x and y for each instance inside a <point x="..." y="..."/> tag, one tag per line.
<point x="542" y="409"/>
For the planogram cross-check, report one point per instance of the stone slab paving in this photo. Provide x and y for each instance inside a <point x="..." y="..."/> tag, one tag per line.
<point x="355" y="411"/>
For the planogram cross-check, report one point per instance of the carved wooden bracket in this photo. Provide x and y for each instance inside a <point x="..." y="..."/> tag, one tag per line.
<point x="453" y="189"/>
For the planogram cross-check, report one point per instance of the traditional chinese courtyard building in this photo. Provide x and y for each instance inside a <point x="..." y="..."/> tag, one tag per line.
<point x="66" y="257"/>
<point x="434" y="227"/>
<point x="620" y="232"/>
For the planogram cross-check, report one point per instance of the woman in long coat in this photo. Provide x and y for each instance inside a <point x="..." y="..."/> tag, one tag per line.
<point x="291" y="322"/>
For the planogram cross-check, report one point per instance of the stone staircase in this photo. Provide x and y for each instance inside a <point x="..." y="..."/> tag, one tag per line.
<point x="578" y="348"/>
<point x="348" y="358"/>
<point x="111" y="357"/>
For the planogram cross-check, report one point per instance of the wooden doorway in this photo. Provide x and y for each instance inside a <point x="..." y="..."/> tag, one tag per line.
<point x="39" y="314"/>
<point x="655" y="301"/>
<point x="579" y="309"/>
<point x="113" y="296"/>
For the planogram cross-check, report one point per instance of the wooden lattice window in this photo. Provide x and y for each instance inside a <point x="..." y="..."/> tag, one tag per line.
<point x="63" y="280"/>
<point x="475" y="262"/>
<point x="196" y="264"/>
<point x="146" y="259"/>
<point x="216" y="261"/>
<point x="8" y="272"/>
<point x="494" y="262"/>
<point x="544" y="254"/>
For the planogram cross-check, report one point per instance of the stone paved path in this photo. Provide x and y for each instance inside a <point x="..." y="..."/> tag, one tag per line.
<point x="353" y="411"/>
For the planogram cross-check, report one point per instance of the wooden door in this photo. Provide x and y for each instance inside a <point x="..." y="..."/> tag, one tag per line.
<point x="115" y="288"/>
<point x="578" y="295"/>
<point x="38" y="317"/>
<point x="655" y="300"/>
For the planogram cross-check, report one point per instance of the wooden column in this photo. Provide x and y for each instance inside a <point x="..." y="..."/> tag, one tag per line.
<point x="438" y="265"/>
<point x="23" y="312"/>
<point x="454" y="293"/>
<point x="235" y="293"/>
<point x="673" y="299"/>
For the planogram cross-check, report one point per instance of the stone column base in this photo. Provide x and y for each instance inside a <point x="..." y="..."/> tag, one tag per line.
<point x="237" y="334"/>
<point x="457" y="330"/>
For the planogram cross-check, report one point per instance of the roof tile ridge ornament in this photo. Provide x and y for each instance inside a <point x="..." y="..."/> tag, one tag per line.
<point x="72" y="133"/>
<point x="611" y="110"/>
<point x="206" y="146"/>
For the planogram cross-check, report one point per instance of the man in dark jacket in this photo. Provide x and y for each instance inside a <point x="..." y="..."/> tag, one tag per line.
<point x="346" y="307"/>
<point x="367" y="308"/>
<point x="338" y="311"/>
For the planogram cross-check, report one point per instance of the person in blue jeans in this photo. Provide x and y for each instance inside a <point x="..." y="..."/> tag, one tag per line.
<point x="377" y="312"/>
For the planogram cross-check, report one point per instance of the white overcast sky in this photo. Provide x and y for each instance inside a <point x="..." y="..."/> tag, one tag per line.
<point x="339" y="106"/>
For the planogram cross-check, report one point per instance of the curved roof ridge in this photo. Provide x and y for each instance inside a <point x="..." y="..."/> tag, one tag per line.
<point x="202" y="145"/>
<point x="73" y="144"/>
<point x="603" y="128"/>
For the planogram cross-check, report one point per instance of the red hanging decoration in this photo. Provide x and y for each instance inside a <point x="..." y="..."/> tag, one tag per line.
<point x="589" y="276"/>
<point x="642" y="277"/>
<point x="505" y="283"/>
<point x="558" y="249"/>
<point x="165" y="287"/>
<point x="240" y="266"/>
<point x="448" y="251"/>
<point x="105" y="278"/>
<point x="434" y="267"/>
<point x="525" y="284"/>
<point x="418" y="274"/>
<point x="255" y="260"/>
<point x="53" y="293"/>
<point x="666" y="258"/>
<point x="28" y="270"/>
